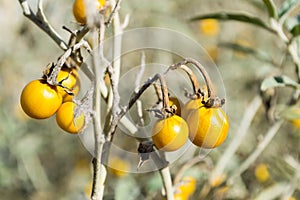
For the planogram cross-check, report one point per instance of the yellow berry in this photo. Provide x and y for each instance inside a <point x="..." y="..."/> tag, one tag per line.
<point x="262" y="172"/>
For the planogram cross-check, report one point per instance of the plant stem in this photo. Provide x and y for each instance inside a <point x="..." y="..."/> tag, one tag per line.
<point x="165" y="93"/>
<point x="41" y="21"/>
<point x="210" y="88"/>
<point x="167" y="182"/>
<point x="114" y="12"/>
<point x="259" y="149"/>
<point x="212" y="99"/>
<point x="99" y="170"/>
<point x="193" y="79"/>
<point x="186" y="166"/>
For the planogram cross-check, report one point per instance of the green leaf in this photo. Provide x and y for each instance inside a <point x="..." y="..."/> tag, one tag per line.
<point x="271" y="8"/>
<point x="286" y="6"/>
<point x="236" y="17"/>
<point x="296" y="30"/>
<point x="278" y="81"/>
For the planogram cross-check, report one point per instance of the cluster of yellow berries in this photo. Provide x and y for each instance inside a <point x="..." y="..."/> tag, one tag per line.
<point x="40" y="100"/>
<point x="206" y="127"/>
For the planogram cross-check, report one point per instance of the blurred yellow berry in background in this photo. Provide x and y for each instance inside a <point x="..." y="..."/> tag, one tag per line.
<point x="262" y="173"/>
<point x="292" y="198"/>
<point x="296" y="121"/>
<point x="119" y="167"/>
<point x="88" y="189"/>
<point x="209" y="27"/>
<point x="215" y="181"/>
<point x="185" y="188"/>
<point x="212" y="52"/>
<point x="221" y="192"/>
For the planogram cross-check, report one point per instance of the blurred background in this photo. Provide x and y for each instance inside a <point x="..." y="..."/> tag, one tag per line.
<point x="40" y="161"/>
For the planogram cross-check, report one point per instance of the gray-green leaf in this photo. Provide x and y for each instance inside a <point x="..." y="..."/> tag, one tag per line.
<point x="278" y="81"/>
<point x="272" y="10"/>
<point x="236" y="17"/>
<point x="286" y="6"/>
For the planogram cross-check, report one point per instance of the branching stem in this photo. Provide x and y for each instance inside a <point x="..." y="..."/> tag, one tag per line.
<point x="41" y="21"/>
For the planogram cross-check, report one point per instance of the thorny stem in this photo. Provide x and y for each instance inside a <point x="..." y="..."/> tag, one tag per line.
<point x="137" y="94"/>
<point x="114" y="12"/>
<point x="114" y="71"/>
<point x="41" y="21"/>
<point x="51" y="79"/>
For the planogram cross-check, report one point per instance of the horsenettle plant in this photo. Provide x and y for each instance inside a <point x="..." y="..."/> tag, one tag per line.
<point x="201" y="120"/>
<point x="55" y="93"/>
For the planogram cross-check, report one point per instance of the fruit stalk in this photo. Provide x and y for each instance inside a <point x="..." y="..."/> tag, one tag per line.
<point x="191" y="75"/>
<point x="212" y="100"/>
<point x="165" y="93"/>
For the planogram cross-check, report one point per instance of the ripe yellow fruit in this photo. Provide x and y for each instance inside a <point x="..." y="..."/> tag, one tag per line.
<point x="40" y="100"/>
<point x="79" y="11"/>
<point x="65" y="118"/>
<point x="190" y="106"/>
<point x="208" y="127"/>
<point x="170" y="134"/>
<point x="70" y="80"/>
